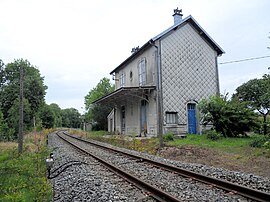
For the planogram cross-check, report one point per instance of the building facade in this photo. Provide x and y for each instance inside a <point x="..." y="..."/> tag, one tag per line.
<point x="159" y="86"/>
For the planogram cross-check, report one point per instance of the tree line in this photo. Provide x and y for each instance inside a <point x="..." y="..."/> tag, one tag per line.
<point x="35" y="108"/>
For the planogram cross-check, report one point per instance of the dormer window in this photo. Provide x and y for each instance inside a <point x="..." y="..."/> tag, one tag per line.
<point x="142" y="72"/>
<point x="122" y="79"/>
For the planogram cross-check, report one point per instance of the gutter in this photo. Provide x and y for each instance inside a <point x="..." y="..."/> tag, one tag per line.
<point x="158" y="84"/>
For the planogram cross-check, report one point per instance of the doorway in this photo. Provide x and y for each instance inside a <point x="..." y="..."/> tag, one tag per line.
<point x="192" y="121"/>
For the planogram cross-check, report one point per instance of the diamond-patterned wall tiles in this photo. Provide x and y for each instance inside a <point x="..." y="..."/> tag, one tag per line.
<point x="188" y="68"/>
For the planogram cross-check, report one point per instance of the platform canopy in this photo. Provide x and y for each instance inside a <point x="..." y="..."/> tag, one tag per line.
<point x="126" y="94"/>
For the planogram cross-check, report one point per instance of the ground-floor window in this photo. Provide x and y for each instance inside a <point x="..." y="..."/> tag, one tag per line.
<point x="171" y="117"/>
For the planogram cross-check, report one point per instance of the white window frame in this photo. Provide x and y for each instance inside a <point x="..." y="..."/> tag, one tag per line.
<point x="142" y="72"/>
<point x="122" y="79"/>
<point x="171" y="118"/>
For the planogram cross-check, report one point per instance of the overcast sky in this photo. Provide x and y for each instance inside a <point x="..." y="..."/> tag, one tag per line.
<point x="75" y="43"/>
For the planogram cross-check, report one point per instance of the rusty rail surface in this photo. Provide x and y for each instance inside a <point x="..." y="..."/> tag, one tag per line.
<point x="215" y="182"/>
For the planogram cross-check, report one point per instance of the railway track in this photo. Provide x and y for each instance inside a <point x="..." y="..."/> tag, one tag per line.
<point x="176" y="175"/>
<point x="88" y="181"/>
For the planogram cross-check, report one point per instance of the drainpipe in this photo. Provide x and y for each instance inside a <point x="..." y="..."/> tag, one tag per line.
<point x="158" y="84"/>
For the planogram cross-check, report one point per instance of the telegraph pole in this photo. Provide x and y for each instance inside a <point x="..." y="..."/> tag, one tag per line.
<point x="20" y="136"/>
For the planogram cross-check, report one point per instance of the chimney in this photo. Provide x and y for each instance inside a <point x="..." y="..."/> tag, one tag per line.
<point x="135" y="49"/>
<point x="177" y="15"/>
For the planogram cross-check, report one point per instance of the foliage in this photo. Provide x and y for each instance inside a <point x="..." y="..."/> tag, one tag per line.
<point x="4" y="130"/>
<point x="34" y="92"/>
<point x="256" y="93"/>
<point x="13" y="116"/>
<point x="97" y="113"/>
<point x="47" y="116"/>
<point x="168" y="137"/>
<point x="23" y="177"/>
<point x="230" y="118"/>
<point x="57" y="115"/>
<point x="71" y="118"/>
<point x="213" y="135"/>
<point x="259" y="141"/>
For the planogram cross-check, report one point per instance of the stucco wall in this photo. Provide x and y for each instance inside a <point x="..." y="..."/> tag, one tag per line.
<point x="132" y="116"/>
<point x="149" y="55"/>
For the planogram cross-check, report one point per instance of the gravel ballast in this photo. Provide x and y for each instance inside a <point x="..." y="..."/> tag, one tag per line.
<point x="183" y="188"/>
<point x="88" y="181"/>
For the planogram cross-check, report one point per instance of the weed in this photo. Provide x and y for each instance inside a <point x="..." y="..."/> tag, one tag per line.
<point x="23" y="177"/>
<point x="168" y="137"/>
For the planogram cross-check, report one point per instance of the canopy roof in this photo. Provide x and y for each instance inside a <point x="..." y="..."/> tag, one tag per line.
<point x="125" y="94"/>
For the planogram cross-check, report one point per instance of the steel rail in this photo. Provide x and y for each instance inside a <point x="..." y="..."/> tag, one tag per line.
<point x="247" y="192"/>
<point x="150" y="190"/>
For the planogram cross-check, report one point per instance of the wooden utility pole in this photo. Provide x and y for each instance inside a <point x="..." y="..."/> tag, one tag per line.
<point x="20" y="136"/>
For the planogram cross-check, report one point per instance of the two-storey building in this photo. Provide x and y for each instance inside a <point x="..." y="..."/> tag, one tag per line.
<point x="159" y="86"/>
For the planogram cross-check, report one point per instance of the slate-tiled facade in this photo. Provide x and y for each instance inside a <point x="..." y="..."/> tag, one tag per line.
<point x="180" y="67"/>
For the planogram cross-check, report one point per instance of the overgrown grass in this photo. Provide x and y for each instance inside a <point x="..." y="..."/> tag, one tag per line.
<point x="143" y="145"/>
<point x="234" y="145"/>
<point x="23" y="177"/>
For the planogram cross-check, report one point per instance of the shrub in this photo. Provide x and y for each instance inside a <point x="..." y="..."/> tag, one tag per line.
<point x="168" y="137"/>
<point x="267" y="144"/>
<point x="229" y="117"/>
<point x="22" y="177"/>
<point x="213" y="135"/>
<point x="259" y="141"/>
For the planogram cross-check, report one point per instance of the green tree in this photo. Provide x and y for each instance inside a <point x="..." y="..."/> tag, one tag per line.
<point x="34" y="90"/>
<point x="2" y="65"/>
<point x="13" y="116"/>
<point x="256" y="94"/>
<point x="230" y="118"/>
<point x="47" y="116"/>
<point x="57" y="115"/>
<point x="4" y="131"/>
<point x="95" y="112"/>
<point x="71" y="118"/>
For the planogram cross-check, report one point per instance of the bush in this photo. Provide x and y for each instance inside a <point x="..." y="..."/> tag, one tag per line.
<point x="229" y="117"/>
<point x="168" y="137"/>
<point x="23" y="177"/>
<point x="213" y="135"/>
<point x="267" y="144"/>
<point x="260" y="142"/>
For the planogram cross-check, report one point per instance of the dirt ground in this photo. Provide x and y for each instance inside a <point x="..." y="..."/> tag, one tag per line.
<point x="258" y="165"/>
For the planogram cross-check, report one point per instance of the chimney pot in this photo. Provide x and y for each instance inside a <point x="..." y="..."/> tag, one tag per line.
<point x="177" y="15"/>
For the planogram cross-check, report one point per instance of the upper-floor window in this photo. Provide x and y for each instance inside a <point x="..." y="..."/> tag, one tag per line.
<point x="122" y="79"/>
<point x="142" y="72"/>
<point x="171" y="117"/>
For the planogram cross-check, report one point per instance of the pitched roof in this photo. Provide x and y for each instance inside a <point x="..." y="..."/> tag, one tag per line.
<point x="188" y="19"/>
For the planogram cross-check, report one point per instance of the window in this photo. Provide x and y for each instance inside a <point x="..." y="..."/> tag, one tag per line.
<point x="122" y="79"/>
<point x="130" y="75"/>
<point x="142" y="72"/>
<point x="171" y="117"/>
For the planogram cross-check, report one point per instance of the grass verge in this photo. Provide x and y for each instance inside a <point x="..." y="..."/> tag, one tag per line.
<point x="23" y="177"/>
<point x="232" y="145"/>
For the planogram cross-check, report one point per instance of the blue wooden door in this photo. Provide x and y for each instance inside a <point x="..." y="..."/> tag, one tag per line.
<point x="192" y="124"/>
